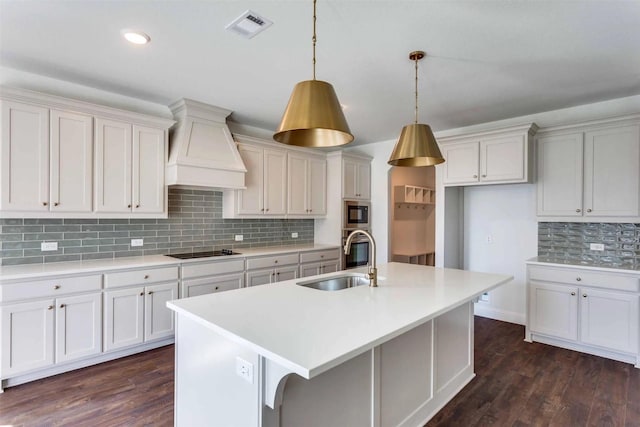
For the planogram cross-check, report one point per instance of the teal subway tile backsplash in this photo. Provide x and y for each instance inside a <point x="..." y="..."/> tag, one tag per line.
<point x="195" y="224"/>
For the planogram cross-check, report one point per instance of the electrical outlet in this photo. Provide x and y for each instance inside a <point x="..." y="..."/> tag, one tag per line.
<point x="484" y="297"/>
<point x="239" y="238"/>
<point x="137" y="242"/>
<point x="48" y="246"/>
<point x="294" y="235"/>
<point x="596" y="246"/>
<point x="244" y="369"/>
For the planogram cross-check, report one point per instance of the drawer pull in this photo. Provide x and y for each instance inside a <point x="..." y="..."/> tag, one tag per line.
<point x="584" y="295"/>
<point x="217" y="287"/>
<point x="50" y="307"/>
<point x="137" y="206"/>
<point x="588" y="210"/>
<point x="129" y="206"/>
<point x="278" y="273"/>
<point x="56" y="204"/>
<point x="573" y="294"/>
<point x="44" y="203"/>
<point x="321" y="256"/>
<point x="578" y="279"/>
<point x="484" y="176"/>
<point x="141" y="293"/>
<point x="62" y="305"/>
<point x="150" y="292"/>
<point x="578" y="210"/>
<point x="146" y="276"/>
<point x="276" y="261"/>
<point x="56" y="287"/>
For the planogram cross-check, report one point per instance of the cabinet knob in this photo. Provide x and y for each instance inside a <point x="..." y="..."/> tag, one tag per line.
<point x="129" y="206"/>
<point x="56" y="204"/>
<point x="573" y="294"/>
<point x="310" y="210"/>
<point x="578" y="210"/>
<point x="275" y="262"/>
<point x="484" y="176"/>
<point x="137" y="206"/>
<point x="475" y="176"/>
<point x="146" y="276"/>
<point x="217" y="287"/>
<point x="50" y="307"/>
<point x="62" y="306"/>
<point x="149" y="293"/>
<point x="141" y="293"/>
<point x="262" y="210"/>
<point x="56" y="287"/>
<point x="267" y="209"/>
<point x="44" y="203"/>
<point x="589" y="210"/>
<point x="578" y="279"/>
<point x="584" y="295"/>
<point x="278" y="273"/>
<point x="321" y="256"/>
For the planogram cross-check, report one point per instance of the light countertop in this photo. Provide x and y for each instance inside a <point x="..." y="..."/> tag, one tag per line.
<point x="28" y="271"/>
<point x="310" y="331"/>
<point x="594" y="267"/>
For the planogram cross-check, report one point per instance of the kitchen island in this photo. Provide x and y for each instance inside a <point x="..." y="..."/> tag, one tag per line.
<point x="289" y="355"/>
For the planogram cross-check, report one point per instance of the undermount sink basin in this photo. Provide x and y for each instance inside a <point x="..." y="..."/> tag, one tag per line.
<point x="336" y="283"/>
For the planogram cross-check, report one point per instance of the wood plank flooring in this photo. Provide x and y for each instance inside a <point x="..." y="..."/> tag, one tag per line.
<point x="517" y="384"/>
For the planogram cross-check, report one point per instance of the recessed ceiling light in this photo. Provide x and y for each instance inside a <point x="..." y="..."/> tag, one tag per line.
<point x="249" y="24"/>
<point x="135" y="36"/>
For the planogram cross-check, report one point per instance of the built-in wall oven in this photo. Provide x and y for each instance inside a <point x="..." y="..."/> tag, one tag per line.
<point x="356" y="215"/>
<point x="360" y="253"/>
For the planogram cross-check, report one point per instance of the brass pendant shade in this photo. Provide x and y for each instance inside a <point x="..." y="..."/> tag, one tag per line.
<point x="313" y="117"/>
<point x="417" y="146"/>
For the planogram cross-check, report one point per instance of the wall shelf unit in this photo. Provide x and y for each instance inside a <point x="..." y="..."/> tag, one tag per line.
<point x="420" y="258"/>
<point x="413" y="195"/>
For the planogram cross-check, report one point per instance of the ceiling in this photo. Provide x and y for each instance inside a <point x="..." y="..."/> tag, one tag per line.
<point x="487" y="60"/>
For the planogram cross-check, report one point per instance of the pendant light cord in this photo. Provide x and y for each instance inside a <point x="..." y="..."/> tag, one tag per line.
<point x="416" y="61"/>
<point x="314" y="39"/>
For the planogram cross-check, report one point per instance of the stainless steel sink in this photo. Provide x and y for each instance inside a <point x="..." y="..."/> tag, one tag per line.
<point x="336" y="283"/>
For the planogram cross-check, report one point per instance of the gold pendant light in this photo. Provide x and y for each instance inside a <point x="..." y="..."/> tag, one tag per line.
<point x="417" y="146"/>
<point x="313" y="117"/>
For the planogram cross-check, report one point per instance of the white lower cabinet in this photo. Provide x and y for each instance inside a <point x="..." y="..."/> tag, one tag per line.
<point x="78" y="327"/>
<point x="158" y="319"/>
<point x="600" y="315"/>
<point x="319" y="262"/>
<point x="211" y="276"/>
<point x="271" y="275"/>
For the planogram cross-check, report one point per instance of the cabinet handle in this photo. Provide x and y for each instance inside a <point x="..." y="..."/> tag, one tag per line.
<point x="578" y="210"/>
<point x="146" y="276"/>
<point x="578" y="279"/>
<point x="44" y="203"/>
<point x="588" y="210"/>
<point x="56" y="287"/>
<point x="149" y="293"/>
<point x="62" y="305"/>
<point x="56" y="204"/>
<point x="584" y="295"/>
<point x="573" y="294"/>
<point x="141" y="293"/>
<point x="50" y="307"/>
<point x="129" y="206"/>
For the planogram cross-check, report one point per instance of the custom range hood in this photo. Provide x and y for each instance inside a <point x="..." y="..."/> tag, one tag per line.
<point x="202" y="152"/>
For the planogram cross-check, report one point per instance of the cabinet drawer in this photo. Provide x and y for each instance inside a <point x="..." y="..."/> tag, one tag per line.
<point x="140" y="277"/>
<point x="585" y="278"/>
<point x="212" y="268"/>
<point x="272" y="261"/>
<point x="210" y="285"/>
<point x="49" y="287"/>
<point x="318" y="256"/>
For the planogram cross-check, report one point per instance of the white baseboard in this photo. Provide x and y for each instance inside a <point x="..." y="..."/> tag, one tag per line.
<point x="485" y="310"/>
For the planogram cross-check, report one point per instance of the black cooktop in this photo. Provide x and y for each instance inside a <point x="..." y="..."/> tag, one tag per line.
<point x="223" y="252"/>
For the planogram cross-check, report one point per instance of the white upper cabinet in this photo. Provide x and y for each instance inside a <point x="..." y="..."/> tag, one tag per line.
<point x="307" y="185"/>
<point x="589" y="176"/>
<point x="356" y="178"/>
<point x="497" y="157"/>
<point x="251" y="200"/>
<point x="62" y="158"/>
<point x="275" y="182"/>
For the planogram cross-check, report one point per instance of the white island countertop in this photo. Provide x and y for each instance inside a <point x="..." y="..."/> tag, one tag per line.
<point x="310" y="331"/>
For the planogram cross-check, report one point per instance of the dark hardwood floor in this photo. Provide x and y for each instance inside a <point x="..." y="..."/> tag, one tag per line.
<point x="517" y="384"/>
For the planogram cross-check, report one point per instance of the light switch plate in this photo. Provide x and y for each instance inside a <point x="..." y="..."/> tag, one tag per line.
<point x="48" y="246"/>
<point x="137" y="242"/>
<point x="244" y="369"/>
<point x="596" y="246"/>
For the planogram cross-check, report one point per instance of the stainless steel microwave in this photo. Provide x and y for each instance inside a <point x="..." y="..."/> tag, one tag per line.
<point x="356" y="215"/>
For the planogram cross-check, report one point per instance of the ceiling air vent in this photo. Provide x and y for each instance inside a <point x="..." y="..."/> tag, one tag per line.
<point x="249" y="24"/>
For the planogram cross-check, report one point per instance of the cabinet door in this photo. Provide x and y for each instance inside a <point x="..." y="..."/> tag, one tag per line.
<point x="310" y="269"/>
<point x="24" y="158"/>
<point x="363" y="181"/>
<point x="149" y="159"/>
<point x="260" y="277"/>
<point x="609" y="319"/>
<point x="275" y="182"/>
<point x="503" y="159"/>
<point x="71" y="162"/>
<point x="298" y="185"/>
<point x="210" y="285"/>
<point x="349" y="179"/>
<point x="330" y="266"/>
<point x="158" y="318"/>
<point x="612" y="172"/>
<point x="461" y="165"/>
<point x="123" y="319"/>
<point x="553" y="310"/>
<point x="27" y="337"/>
<point x="286" y="273"/>
<point x="113" y="166"/>
<point x="250" y="200"/>
<point x="560" y="175"/>
<point x="78" y="327"/>
<point x="317" y="189"/>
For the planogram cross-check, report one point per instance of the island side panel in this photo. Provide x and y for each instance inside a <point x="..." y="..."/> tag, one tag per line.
<point x="208" y="391"/>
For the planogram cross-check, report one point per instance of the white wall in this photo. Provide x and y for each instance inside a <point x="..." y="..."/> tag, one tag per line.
<point x="506" y="214"/>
